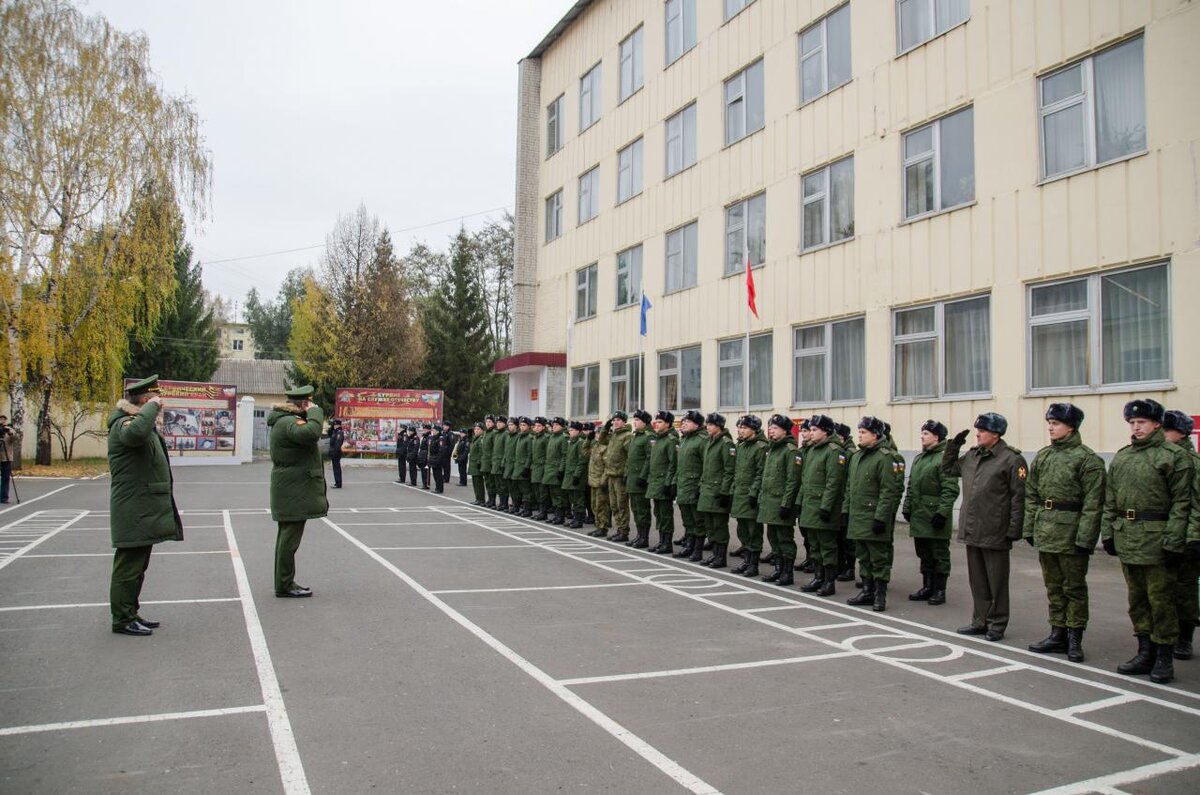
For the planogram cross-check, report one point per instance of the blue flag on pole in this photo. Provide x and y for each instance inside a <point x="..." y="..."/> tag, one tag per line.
<point x="646" y="307"/>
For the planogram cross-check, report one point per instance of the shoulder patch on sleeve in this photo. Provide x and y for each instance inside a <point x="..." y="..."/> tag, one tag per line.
<point x="1022" y="473"/>
<point x="732" y="450"/>
<point x="898" y="467"/>
<point x="841" y="459"/>
<point x="799" y="460"/>
<point x="126" y="422"/>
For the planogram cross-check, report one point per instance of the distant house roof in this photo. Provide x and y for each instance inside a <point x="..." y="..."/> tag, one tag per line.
<point x="254" y="376"/>
<point x="558" y="30"/>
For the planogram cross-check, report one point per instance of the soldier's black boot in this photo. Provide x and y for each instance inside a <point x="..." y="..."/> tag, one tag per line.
<point x="664" y="544"/>
<point x="599" y="532"/>
<point x="685" y="548"/>
<point x="766" y="557"/>
<point x="539" y="513"/>
<point x="502" y="505"/>
<point x="751" y="565"/>
<point x="1142" y="662"/>
<point x="922" y="594"/>
<point x="1183" y="646"/>
<point x="698" y="550"/>
<point x="880" y="603"/>
<point x="937" y="596"/>
<point x="808" y="566"/>
<point x="619" y="537"/>
<point x="708" y="545"/>
<point x="829" y="584"/>
<point x="864" y="597"/>
<point x="815" y="583"/>
<point x="1054" y="643"/>
<point x="1075" y="644"/>
<point x="740" y="552"/>
<point x="846" y="571"/>
<point x="642" y="541"/>
<point x="786" y="572"/>
<point x="718" y="560"/>
<point x="1164" y="664"/>
<point x="741" y="567"/>
<point x="775" y="575"/>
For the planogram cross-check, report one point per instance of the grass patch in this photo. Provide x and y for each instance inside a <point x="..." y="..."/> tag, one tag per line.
<point x="76" y="468"/>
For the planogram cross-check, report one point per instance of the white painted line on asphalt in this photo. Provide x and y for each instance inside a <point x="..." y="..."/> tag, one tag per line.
<point x="706" y="669"/>
<point x="668" y="766"/>
<point x="88" y="724"/>
<point x="105" y="604"/>
<point x="291" y="769"/>
<point x="1003" y="669"/>
<point x="47" y="521"/>
<point x="842" y="625"/>
<point x="722" y="593"/>
<point x="35" y="499"/>
<point x="109" y="554"/>
<point x="477" y="546"/>
<point x="774" y="608"/>
<point x="1092" y="706"/>
<point x="414" y="525"/>
<point x="541" y="588"/>
<point x="1131" y="776"/>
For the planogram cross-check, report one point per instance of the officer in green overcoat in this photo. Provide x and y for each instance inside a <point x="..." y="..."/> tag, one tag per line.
<point x="475" y="463"/>
<point x="819" y="501"/>
<point x="553" y="469"/>
<point x="574" y="482"/>
<point x="1147" y="504"/>
<point x="660" y="486"/>
<point x="297" y="481"/>
<point x="637" y="477"/>
<point x="499" y="454"/>
<point x="1177" y="427"/>
<point x="874" y="486"/>
<point x="929" y="510"/>
<point x="523" y="467"/>
<point x="775" y="498"/>
<point x="483" y="452"/>
<point x="716" y="490"/>
<point x="142" y="509"/>
<point x="1064" y="498"/>
<point x="689" y="466"/>
<point x="510" y="495"/>
<point x="747" y="480"/>
<point x="537" y="468"/>
<point x="598" y="481"/>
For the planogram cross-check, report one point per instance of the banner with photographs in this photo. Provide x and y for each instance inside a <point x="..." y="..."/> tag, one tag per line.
<point x="197" y="419"/>
<point x="371" y="418"/>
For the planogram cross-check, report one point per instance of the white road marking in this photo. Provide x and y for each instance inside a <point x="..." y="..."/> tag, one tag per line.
<point x="1003" y="669"/>
<point x="841" y="625"/>
<point x="105" y="604"/>
<point x="477" y="546"/>
<point x="50" y="523"/>
<point x="23" y="503"/>
<point x="413" y="525"/>
<point x="1132" y="776"/>
<point x="291" y="769"/>
<point x="775" y="607"/>
<point x="542" y="588"/>
<point x="109" y="554"/>
<point x="122" y="721"/>
<point x="1092" y="706"/>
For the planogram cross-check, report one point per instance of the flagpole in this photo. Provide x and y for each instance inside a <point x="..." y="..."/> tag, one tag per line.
<point x="746" y="342"/>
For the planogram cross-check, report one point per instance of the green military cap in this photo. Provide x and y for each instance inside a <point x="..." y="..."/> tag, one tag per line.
<point x="300" y="391"/>
<point x="145" y="385"/>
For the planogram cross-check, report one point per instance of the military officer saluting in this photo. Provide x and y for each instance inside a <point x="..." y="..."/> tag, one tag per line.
<point x="297" y="481"/>
<point x="142" y="509"/>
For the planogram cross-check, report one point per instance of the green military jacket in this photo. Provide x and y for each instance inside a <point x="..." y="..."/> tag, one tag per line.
<point x="574" y="463"/>
<point x="993" y="486"/>
<point x="483" y="451"/>
<point x="475" y="457"/>
<point x="141" y="504"/>
<point x="511" y="470"/>
<point x="1193" y="528"/>
<point x="596" y="476"/>
<point x="556" y="462"/>
<point x="716" y="480"/>
<point x="537" y="455"/>
<point x="931" y="492"/>
<point x="297" y="474"/>
<point x="523" y="457"/>
<point x="618" y="452"/>
<point x="778" y="462"/>
<point x="661" y="470"/>
<point x="747" y="476"/>
<point x="1065" y="471"/>
<point x="499" y="442"/>
<point x="637" y="462"/>
<point x="689" y="467"/>
<point x="823" y="480"/>
<point x="1148" y="474"/>
<point x="874" y="485"/>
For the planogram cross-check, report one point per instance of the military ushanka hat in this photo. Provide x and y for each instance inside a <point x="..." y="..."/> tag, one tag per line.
<point x="694" y="416"/>
<point x="1176" y="420"/>
<point x="823" y="422"/>
<point x="936" y="428"/>
<point x="750" y="421"/>
<point x="1065" y="413"/>
<point x="299" y="392"/>
<point x="781" y="421"/>
<point x="872" y="425"/>
<point x="1144" y="409"/>
<point x="715" y="418"/>
<point x="666" y="417"/>
<point x="643" y="415"/>
<point x="559" y="421"/>
<point x="145" y="385"/>
<point x="991" y="421"/>
<point x="620" y="415"/>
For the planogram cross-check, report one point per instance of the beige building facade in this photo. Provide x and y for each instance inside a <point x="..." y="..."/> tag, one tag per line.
<point x="236" y="341"/>
<point x="948" y="206"/>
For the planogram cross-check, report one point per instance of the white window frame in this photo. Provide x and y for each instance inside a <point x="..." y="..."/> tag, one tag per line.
<point x="824" y="196"/>
<point x="934" y="154"/>
<point x="630" y="263"/>
<point x="238" y="345"/>
<point x="630" y="372"/>
<point x="938" y="335"/>
<point x="741" y="96"/>
<point x="931" y="9"/>
<point x="631" y="63"/>
<point x="590" y="97"/>
<point x="680" y="138"/>
<point x="744" y="228"/>
<point x="677" y="252"/>
<point x="630" y="170"/>
<point x="554" y="218"/>
<point x="825" y="350"/>
<point x="685" y="10"/>
<point x="743" y="362"/>
<point x="554" y="125"/>
<point x="589" y="195"/>
<point x="821" y="52"/>
<point x="732" y="8"/>
<point x="586" y="374"/>
<point x="676" y="371"/>
<point x="586" y="282"/>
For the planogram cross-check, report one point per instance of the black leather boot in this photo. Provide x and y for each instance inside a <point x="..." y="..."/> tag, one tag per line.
<point x="880" y="603"/>
<point x="808" y="566"/>
<point x="1164" y="664"/>
<point x="766" y="557"/>
<point x="829" y="584"/>
<point x="751" y="565"/>
<point x="1183" y="646"/>
<point x="1054" y="643"/>
<point x="846" y="571"/>
<point x="685" y="549"/>
<point x="599" y="532"/>
<point x="698" y="550"/>
<point x="775" y="575"/>
<point x="539" y="513"/>
<point x="786" y="572"/>
<point x="938" y="595"/>
<point x="718" y="561"/>
<point x="922" y="594"/>
<point x="864" y="597"/>
<point x="708" y="545"/>
<point x="815" y="583"/>
<point x="642" y="541"/>
<point x="741" y="567"/>
<point x="1075" y="644"/>
<point x="1142" y="662"/>
<point x="740" y="552"/>
<point x="619" y="537"/>
<point x="502" y="505"/>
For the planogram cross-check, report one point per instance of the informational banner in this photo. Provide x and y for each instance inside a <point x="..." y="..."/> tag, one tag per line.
<point x="197" y="419"/>
<point x="371" y="418"/>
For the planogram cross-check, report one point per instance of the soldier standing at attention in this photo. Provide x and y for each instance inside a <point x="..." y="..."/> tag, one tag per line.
<point x="481" y="454"/>
<point x="795" y="475"/>
<point x="716" y="490"/>
<point x="401" y="453"/>
<point x="689" y="466"/>
<point x="142" y="509"/>
<point x="874" y="483"/>
<point x="929" y="510"/>
<point x="475" y="464"/>
<point x="1064" y="497"/>
<point x="423" y="455"/>
<point x="747" y="480"/>
<point x="819" y="501"/>
<point x="439" y="452"/>
<point x="1177" y="427"/>
<point x="509" y="469"/>
<point x="1147" y="504"/>
<point x="992" y="516"/>
<point x="774" y="501"/>
<point x="555" y="467"/>
<point x="598" y="482"/>
<point x="537" y="468"/>
<point x="574" y="482"/>
<point x="523" y="468"/>
<point x="499" y="445"/>
<point x="411" y="444"/>
<point x="615" y="458"/>
<point x="637" y="478"/>
<point x="846" y="553"/>
<point x="449" y="438"/>
<point x="297" y="481"/>
<point x="661" y="481"/>
<point x="337" y="438"/>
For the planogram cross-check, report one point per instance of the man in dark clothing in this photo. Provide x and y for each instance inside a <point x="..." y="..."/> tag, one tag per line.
<point x="462" y="451"/>
<point x="449" y="437"/>
<point x="411" y="447"/>
<point x="439" y="458"/>
<point x="423" y="455"/>
<point x="7" y="439"/>
<point x="337" y="437"/>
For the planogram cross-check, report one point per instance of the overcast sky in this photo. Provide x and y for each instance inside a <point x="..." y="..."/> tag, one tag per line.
<point x="311" y="107"/>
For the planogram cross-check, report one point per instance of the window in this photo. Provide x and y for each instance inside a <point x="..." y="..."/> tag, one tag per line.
<point x="918" y="21"/>
<point x="1127" y="313"/>
<point x="237" y="344"/>
<point x="679" y="379"/>
<point x="629" y="277"/>
<point x="585" y="292"/>
<point x="554" y="125"/>
<point x="942" y="349"/>
<point x="625" y="380"/>
<point x="681" y="140"/>
<point x="589" y="98"/>
<point x="745" y="234"/>
<point x="681" y="28"/>
<point x="1093" y="111"/>
<point x="585" y="391"/>
<point x="589" y="195"/>
<point x="554" y="215"/>
<point x="682" y="247"/>
<point x="828" y="204"/>
<point x="632" y="71"/>
<point x="731" y="368"/>
<point x="825" y="55"/>
<point x="744" y="103"/>
<point x="629" y="171"/>
<point x="829" y="363"/>
<point x="732" y="7"/>
<point x="939" y="164"/>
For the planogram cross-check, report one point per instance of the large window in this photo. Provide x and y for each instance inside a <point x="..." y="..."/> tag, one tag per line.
<point x="585" y="292"/>
<point x="733" y="369"/>
<point x="942" y="349"/>
<point x="554" y="215"/>
<point x="939" y="164"/>
<point x="681" y="28"/>
<point x="825" y="54"/>
<point x="629" y="277"/>
<point x="589" y="195"/>
<point x="1093" y="111"/>
<point x="629" y="171"/>
<point x="828" y="204"/>
<point x="1101" y="330"/>
<point x="625" y="381"/>
<point x="632" y="64"/>
<point x="681" y="140"/>
<point x="829" y="363"/>
<point x="585" y="391"/>
<point x="554" y="125"/>
<point x="918" y="21"/>
<point x="679" y="379"/>
<point x="682" y="249"/>
<point x="744" y="103"/>
<point x="745" y="234"/>
<point x="589" y="98"/>
<point x="732" y="7"/>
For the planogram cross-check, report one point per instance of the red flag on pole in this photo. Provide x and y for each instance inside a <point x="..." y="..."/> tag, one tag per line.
<point x="750" y="292"/>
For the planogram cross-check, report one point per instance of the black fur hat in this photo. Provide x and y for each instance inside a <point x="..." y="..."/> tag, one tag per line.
<point x="823" y="422"/>
<point x="1146" y="409"/>
<point x="991" y="421"/>
<point x="751" y="422"/>
<point x="936" y="428"/>
<point x="1065" y="413"/>
<point x="715" y="419"/>
<point x="1175" y="420"/>
<point x="874" y="425"/>
<point x="782" y="422"/>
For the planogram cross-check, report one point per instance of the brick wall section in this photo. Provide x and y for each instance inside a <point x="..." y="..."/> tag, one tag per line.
<point x="528" y="201"/>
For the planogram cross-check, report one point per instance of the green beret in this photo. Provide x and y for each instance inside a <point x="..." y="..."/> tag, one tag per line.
<point x="300" y="392"/>
<point x="145" y="385"/>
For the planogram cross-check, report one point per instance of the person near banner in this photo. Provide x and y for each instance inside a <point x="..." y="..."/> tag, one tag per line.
<point x="776" y="496"/>
<point x="689" y="467"/>
<point x="462" y="451"/>
<point x="747" y="481"/>
<point x="411" y="446"/>
<point x="423" y="454"/>
<point x="598" y="481"/>
<point x="1177" y="427"/>
<point x="7" y="439"/>
<point x="297" y="481"/>
<point x="929" y="510"/>
<point x="337" y="438"/>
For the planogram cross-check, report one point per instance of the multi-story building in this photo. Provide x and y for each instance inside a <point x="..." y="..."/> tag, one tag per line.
<point x="947" y="206"/>
<point x="237" y="341"/>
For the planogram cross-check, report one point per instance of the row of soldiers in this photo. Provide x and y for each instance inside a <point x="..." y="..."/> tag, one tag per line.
<point x="844" y="493"/>
<point x="431" y="449"/>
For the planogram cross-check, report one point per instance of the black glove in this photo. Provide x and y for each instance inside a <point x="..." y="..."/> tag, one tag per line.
<point x="961" y="437"/>
<point x="1173" y="560"/>
<point x="671" y="491"/>
<point x="1082" y="550"/>
<point x="642" y="483"/>
<point x="753" y="502"/>
<point x="526" y="473"/>
<point x="1110" y="546"/>
<point x="907" y="516"/>
<point x="1029" y="540"/>
<point x="825" y="515"/>
<point x="1193" y="550"/>
<point x="878" y="526"/>
<point x="845" y="523"/>
<point x="723" y="501"/>
<point x="937" y="522"/>
<point x="785" y="513"/>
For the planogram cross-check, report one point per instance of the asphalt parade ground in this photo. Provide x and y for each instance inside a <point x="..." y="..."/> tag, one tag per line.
<point x="454" y="649"/>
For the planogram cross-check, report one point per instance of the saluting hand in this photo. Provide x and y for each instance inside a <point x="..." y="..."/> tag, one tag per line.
<point x="961" y="437"/>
